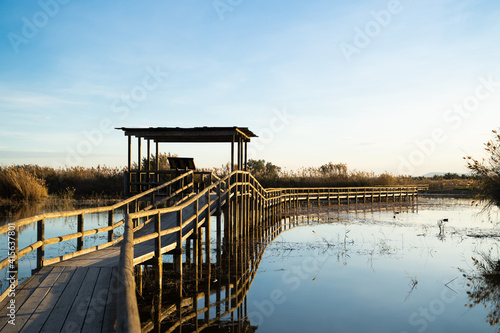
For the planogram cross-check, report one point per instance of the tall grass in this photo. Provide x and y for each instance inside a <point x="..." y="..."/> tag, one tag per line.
<point x="80" y="182"/>
<point x="20" y="184"/>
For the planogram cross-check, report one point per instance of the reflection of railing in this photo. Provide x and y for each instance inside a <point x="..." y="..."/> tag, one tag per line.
<point x="173" y="213"/>
<point x="233" y="272"/>
<point x="250" y="210"/>
<point x="176" y="189"/>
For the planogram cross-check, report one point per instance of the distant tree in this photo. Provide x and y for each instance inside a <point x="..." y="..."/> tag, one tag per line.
<point x="487" y="171"/>
<point x="256" y="166"/>
<point x="162" y="158"/>
<point x="263" y="168"/>
<point x="330" y="169"/>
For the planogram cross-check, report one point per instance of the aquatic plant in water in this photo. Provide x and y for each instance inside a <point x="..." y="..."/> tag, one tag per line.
<point x="484" y="284"/>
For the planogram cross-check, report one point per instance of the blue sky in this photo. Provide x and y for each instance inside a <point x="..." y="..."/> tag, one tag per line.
<point x="399" y="86"/>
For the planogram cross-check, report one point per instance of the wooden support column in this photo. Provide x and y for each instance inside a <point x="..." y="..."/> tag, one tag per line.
<point x="207" y="238"/>
<point x="129" y="167"/>
<point x="188" y="252"/>
<point x="140" y="270"/>
<point x="158" y="267"/>
<point x="79" y="241"/>
<point x="178" y="254"/>
<point x="219" y="223"/>
<point x="40" y="257"/>
<point x="232" y="154"/>
<point x="111" y="217"/>
<point x="157" y="166"/>
<point x="139" y="162"/>
<point x="246" y="155"/>
<point x="148" y="166"/>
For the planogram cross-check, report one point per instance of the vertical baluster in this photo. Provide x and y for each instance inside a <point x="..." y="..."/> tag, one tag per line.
<point x="111" y="217"/>
<point x="158" y="267"/>
<point x="79" y="243"/>
<point x="40" y="257"/>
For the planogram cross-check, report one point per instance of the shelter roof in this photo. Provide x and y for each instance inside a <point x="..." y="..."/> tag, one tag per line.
<point x="193" y="134"/>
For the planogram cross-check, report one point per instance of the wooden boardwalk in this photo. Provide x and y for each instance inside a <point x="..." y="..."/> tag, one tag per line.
<point x="81" y="294"/>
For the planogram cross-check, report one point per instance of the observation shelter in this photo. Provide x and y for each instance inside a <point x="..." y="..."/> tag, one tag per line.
<point x="143" y="176"/>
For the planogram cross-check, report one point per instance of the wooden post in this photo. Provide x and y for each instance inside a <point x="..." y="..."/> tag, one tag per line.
<point x="158" y="267"/>
<point x="40" y="257"/>
<point x="79" y="243"/>
<point x="139" y="164"/>
<point x="232" y="154"/>
<point x="157" y="166"/>
<point x="148" y="166"/>
<point x="178" y="255"/>
<point x="139" y="269"/>
<point x="207" y="235"/>
<point x="128" y="188"/>
<point x="111" y="217"/>
<point x="246" y="155"/>
<point x="219" y="223"/>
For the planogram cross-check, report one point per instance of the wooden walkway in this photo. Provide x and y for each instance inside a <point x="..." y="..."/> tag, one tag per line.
<point x="79" y="294"/>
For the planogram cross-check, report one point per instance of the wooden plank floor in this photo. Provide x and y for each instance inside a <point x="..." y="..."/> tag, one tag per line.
<point x="78" y="295"/>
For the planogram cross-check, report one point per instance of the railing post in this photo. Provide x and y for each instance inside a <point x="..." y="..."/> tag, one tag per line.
<point x="158" y="267"/>
<point x="79" y="242"/>
<point x="178" y="255"/>
<point x="207" y="237"/>
<point x="218" y="221"/>
<point x="40" y="257"/>
<point x="111" y="217"/>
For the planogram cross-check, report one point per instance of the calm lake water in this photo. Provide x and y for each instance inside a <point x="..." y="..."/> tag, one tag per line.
<point x="53" y="228"/>
<point x="379" y="271"/>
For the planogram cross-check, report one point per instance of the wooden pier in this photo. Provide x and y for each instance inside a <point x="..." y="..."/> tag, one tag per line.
<point x="170" y="213"/>
<point x="79" y="291"/>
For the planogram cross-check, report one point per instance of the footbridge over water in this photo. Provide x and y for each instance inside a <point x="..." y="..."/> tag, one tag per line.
<point x="183" y="219"/>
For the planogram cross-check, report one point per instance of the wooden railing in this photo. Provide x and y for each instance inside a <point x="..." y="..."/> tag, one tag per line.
<point x="192" y="204"/>
<point x="138" y="181"/>
<point x="176" y="189"/>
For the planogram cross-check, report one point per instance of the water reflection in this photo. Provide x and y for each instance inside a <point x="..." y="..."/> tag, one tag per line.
<point x="214" y="296"/>
<point x="55" y="227"/>
<point x="484" y="287"/>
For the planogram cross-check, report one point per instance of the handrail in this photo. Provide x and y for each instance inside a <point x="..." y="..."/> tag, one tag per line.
<point x="40" y="243"/>
<point x="237" y="183"/>
<point x="33" y="219"/>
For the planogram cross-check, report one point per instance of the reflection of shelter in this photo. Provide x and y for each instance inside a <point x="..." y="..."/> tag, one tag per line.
<point x="147" y="174"/>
